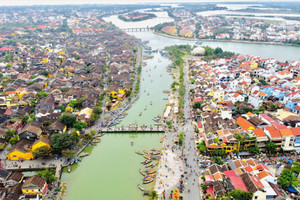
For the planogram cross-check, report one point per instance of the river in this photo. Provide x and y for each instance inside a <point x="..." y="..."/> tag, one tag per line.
<point x="111" y="171"/>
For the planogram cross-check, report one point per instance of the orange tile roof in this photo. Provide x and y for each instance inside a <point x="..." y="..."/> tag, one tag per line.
<point x="275" y="133"/>
<point x="244" y="123"/>
<point x="218" y="175"/>
<point x="259" y="132"/>
<point x="262" y="94"/>
<point x="285" y="132"/>
<point x="238" y="171"/>
<point x="296" y="131"/>
<point x="262" y="174"/>
<point x="236" y="95"/>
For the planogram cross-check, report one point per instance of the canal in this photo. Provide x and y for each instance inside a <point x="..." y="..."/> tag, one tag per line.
<point x="111" y="171"/>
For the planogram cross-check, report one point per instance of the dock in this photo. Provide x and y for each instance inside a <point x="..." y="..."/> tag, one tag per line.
<point x="132" y="130"/>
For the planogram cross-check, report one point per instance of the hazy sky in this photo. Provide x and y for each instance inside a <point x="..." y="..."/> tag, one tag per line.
<point x="59" y="2"/>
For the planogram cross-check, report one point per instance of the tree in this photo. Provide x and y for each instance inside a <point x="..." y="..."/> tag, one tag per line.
<point x="271" y="146"/>
<point x="13" y="140"/>
<point x="218" y="50"/>
<point x="218" y="152"/>
<point x="127" y="93"/>
<point x="218" y="160"/>
<point x="255" y="149"/>
<point x="24" y="118"/>
<point x="62" y="141"/>
<point x="68" y="119"/>
<point x="202" y="147"/>
<point x="153" y="194"/>
<point x="68" y="153"/>
<point x="240" y="195"/>
<point x="79" y="125"/>
<point x="97" y="110"/>
<point x="42" y="94"/>
<point x="42" y="152"/>
<point x="197" y="105"/>
<point x="9" y="133"/>
<point x="87" y="137"/>
<point x="286" y="178"/>
<point x="204" y="187"/>
<point x="296" y="167"/>
<point x="273" y="107"/>
<point x="48" y="174"/>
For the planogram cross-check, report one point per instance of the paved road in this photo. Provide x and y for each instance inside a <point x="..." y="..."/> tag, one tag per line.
<point x="189" y="148"/>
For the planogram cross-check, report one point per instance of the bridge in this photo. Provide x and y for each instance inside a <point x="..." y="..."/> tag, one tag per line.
<point x="150" y="129"/>
<point x="136" y="29"/>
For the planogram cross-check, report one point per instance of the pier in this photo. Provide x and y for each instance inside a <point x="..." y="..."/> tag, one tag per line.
<point x="133" y="130"/>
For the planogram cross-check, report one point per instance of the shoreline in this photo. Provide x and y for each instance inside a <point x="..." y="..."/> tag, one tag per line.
<point x="217" y="40"/>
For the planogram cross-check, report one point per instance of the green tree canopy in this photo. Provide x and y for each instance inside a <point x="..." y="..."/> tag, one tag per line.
<point x="48" y="174"/>
<point x="13" y="140"/>
<point x="296" y="167"/>
<point x="271" y="146"/>
<point x="197" y="105"/>
<point x="97" y="110"/>
<point x="42" y="152"/>
<point x="68" y="119"/>
<point x="255" y="149"/>
<point x="9" y="133"/>
<point x="79" y="125"/>
<point x="68" y="153"/>
<point x="63" y="141"/>
<point x="286" y="178"/>
<point x="240" y="195"/>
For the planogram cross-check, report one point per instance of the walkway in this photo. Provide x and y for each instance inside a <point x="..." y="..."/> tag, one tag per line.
<point x="169" y="172"/>
<point x="132" y="129"/>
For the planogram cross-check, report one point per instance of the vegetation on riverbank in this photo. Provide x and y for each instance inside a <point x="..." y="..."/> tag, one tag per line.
<point x="136" y="17"/>
<point x="138" y="81"/>
<point x="177" y="52"/>
<point x="211" y="53"/>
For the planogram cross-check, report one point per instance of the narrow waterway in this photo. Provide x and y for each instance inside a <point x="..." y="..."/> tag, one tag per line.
<point x="111" y="171"/>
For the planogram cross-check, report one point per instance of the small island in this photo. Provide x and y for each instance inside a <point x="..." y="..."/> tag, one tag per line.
<point x="136" y="16"/>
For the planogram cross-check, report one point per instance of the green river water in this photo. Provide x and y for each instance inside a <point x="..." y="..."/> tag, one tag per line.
<point x="111" y="171"/>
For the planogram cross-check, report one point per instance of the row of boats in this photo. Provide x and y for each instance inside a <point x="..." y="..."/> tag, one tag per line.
<point x="149" y="174"/>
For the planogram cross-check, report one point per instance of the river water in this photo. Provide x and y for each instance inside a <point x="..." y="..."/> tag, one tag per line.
<point x="111" y="171"/>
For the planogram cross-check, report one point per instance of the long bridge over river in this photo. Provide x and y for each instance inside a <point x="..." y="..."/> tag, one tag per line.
<point x="136" y="29"/>
<point x="147" y="129"/>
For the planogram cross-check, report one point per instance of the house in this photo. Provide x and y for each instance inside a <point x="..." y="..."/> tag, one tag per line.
<point x="296" y="133"/>
<point x="255" y="101"/>
<point x="41" y="143"/>
<point x="287" y="139"/>
<point x="246" y="125"/>
<point x="21" y="150"/>
<point x="14" y="178"/>
<point x="56" y="127"/>
<point x="237" y="98"/>
<point x="34" y="185"/>
<point x="274" y="135"/>
<point x="31" y="131"/>
<point x="261" y="138"/>
<point x="4" y="175"/>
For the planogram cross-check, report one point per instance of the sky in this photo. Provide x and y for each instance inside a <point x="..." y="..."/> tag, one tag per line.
<point x="60" y="2"/>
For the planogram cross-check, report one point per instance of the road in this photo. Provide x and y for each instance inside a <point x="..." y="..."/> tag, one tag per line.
<point x="190" y="153"/>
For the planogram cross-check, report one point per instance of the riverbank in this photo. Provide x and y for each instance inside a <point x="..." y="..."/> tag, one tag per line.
<point x="216" y="40"/>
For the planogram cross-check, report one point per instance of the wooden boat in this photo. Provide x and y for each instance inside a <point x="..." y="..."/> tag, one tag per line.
<point x="148" y="181"/>
<point x="140" y="153"/>
<point x="93" y="143"/>
<point x="142" y="172"/>
<point x="153" y="149"/>
<point x="155" y="153"/>
<point x="97" y="138"/>
<point x="165" y="98"/>
<point x="150" y="102"/>
<point x="145" y="151"/>
<point x="166" y="91"/>
<point x="131" y="143"/>
<point x="150" y="171"/>
<point x="69" y="169"/>
<point x="84" y="154"/>
<point x="140" y="187"/>
<point x="147" y="156"/>
<point x="153" y="164"/>
<point x="148" y="165"/>
<point x="145" y="162"/>
<point x="148" y="178"/>
<point x="140" y="114"/>
<point x="96" y="141"/>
